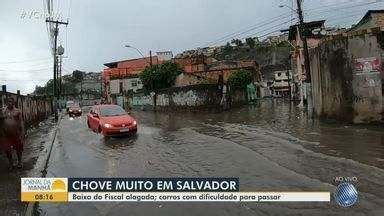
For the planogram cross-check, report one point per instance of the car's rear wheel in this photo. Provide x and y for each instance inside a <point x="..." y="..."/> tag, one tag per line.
<point x="99" y="129"/>
<point x="89" y="126"/>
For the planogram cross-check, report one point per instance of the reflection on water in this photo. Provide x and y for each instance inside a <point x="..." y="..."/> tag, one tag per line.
<point x="120" y="142"/>
<point x="363" y="143"/>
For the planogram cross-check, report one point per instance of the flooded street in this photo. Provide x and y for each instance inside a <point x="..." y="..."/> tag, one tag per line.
<point x="271" y="146"/>
<point x="35" y="151"/>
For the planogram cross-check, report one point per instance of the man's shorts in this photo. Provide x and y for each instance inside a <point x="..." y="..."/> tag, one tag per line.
<point x="6" y="144"/>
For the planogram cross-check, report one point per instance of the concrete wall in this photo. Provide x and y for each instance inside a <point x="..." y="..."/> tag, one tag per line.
<point x="33" y="109"/>
<point x="188" y="97"/>
<point x="344" y="83"/>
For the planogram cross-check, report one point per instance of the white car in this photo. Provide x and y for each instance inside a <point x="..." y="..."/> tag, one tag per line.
<point x="69" y="104"/>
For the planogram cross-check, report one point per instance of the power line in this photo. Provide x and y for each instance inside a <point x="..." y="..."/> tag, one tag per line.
<point x="41" y="69"/>
<point x="344" y="17"/>
<point x="349" y="3"/>
<point x="23" y="80"/>
<point x="248" y="29"/>
<point x="256" y="26"/>
<point x="24" y="61"/>
<point x="252" y="29"/>
<point x="351" y="15"/>
<point x="279" y="25"/>
<point x="348" y="7"/>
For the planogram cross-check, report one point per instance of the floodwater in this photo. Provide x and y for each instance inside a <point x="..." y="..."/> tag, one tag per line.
<point x="270" y="146"/>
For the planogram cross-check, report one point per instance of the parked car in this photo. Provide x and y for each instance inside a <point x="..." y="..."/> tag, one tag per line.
<point x="74" y="110"/>
<point x="69" y="104"/>
<point x="111" y="120"/>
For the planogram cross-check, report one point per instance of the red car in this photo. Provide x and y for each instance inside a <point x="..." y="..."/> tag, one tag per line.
<point x="111" y="120"/>
<point x="74" y="111"/>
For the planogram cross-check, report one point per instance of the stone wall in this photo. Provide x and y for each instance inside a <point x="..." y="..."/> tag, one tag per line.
<point x="347" y="78"/>
<point x="33" y="109"/>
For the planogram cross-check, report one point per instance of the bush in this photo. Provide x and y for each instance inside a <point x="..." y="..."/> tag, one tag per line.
<point x="160" y="76"/>
<point x="240" y="79"/>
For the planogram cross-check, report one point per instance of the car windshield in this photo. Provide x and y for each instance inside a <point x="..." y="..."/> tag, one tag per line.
<point x="112" y="111"/>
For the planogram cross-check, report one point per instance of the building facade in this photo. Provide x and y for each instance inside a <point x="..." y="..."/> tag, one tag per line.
<point x="281" y="86"/>
<point x="122" y="77"/>
<point x="372" y="19"/>
<point x="313" y="35"/>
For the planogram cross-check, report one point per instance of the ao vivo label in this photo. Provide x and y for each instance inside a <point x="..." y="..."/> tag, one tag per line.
<point x="44" y="189"/>
<point x="346" y="179"/>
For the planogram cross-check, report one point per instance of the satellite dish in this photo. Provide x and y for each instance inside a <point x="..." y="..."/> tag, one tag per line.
<point x="60" y="50"/>
<point x="316" y="31"/>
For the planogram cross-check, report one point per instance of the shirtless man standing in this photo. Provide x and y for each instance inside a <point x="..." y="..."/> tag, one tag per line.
<point x="13" y="133"/>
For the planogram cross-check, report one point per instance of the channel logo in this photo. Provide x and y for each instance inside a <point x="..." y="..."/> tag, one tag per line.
<point x="44" y="189"/>
<point x="346" y="194"/>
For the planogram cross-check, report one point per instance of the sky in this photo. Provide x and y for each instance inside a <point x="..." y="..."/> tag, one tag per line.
<point x="99" y="29"/>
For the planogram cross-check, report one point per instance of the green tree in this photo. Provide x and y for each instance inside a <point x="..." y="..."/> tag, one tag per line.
<point x="227" y="48"/>
<point x="160" y="76"/>
<point x="240" y="79"/>
<point x="77" y="76"/>
<point x="69" y="88"/>
<point x="237" y="42"/>
<point x="250" y="42"/>
<point x="284" y="44"/>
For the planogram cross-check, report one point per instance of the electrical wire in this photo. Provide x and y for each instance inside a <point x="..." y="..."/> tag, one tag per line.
<point x="24" y="61"/>
<point x="22" y="80"/>
<point x="348" y="7"/>
<point x="270" y="28"/>
<point x="35" y="70"/>
<point x="254" y="27"/>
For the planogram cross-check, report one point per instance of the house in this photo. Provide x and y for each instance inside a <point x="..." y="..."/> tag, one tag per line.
<point x="276" y="39"/>
<point x="164" y="56"/>
<point x="282" y="83"/>
<point x="90" y="88"/>
<point x="122" y="77"/>
<point x="312" y="32"/>
<point x="202" y="69"/>
<point x="206" y="51"/>
<point x="268" y="78"/>
<point x="210" y="70"/>
<point x="372" y="19"/>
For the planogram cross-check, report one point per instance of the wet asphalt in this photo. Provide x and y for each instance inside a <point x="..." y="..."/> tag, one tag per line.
<point x="35" y="151"/>
<point x="270" y="146"/>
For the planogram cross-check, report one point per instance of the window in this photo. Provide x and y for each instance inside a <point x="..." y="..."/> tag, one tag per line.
<point x="134" y="83"/>
<point x="120" y="87"/>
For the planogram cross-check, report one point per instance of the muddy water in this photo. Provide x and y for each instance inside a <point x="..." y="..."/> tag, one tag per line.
<point x="271" y="146"/>
<point x="362" y="143"/>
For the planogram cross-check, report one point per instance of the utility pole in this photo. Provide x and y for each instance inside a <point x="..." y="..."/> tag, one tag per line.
<point x="150" y="56"/>
<point x="305" y="44"/>
<point x="307" y="66"/>
<point x="55" y="33"/>
<point x="81" y="92"/>
<point x="60" y="73"/>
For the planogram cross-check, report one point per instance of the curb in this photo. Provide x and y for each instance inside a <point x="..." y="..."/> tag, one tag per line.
<point x="31" y="208"/>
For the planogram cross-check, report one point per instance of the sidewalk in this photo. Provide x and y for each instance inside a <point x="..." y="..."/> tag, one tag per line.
<point x="35" y="150"/>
